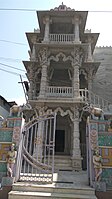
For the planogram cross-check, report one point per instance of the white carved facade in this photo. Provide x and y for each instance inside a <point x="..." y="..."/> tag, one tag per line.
<point x="60" y="73"/>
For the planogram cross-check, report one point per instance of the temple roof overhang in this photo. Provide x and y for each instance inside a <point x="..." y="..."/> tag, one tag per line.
<point x="90" y="36"/>
<point x="30" y="63"/>
<point x="65" y="16"/>
<point x="91" y="67"/>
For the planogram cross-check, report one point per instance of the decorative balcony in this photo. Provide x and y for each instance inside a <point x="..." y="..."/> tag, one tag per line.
<point x="84" y="95"/>
<point x="62" y="38"/>
<point x="53" y="91"/>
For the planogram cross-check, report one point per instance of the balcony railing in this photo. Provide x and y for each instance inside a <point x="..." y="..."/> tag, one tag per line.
<point x="84" y="95"/>
<point x="53" y="91"/>
<point x="61" y="37"/>
<point x="94" y="99"/>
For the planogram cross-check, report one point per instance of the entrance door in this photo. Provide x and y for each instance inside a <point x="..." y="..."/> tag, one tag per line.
<point x="59" y="141"/>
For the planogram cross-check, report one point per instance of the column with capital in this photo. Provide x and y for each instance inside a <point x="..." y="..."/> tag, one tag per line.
<point x="76" y="81"/>
<point x="46" y="33"/>
<point x="43" y="83"/>
<point x="76" y="153"/>
<point x="90" y="83"/>
<point x="76" y="22"/>
<point x="33" y="54"/>
<point x="39" y="133"/>
<point x="30" y="92"/>
<point x="75" y="65"/>
<point x="90" y="58"/>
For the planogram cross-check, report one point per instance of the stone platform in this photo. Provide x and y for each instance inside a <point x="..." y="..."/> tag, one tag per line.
<point x="66" y="185"/>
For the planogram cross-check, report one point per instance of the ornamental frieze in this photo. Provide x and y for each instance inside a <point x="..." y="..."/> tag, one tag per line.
<point x="78" y="56"/>
<point x="43" y="56"/>
<point x="57" y="57"/>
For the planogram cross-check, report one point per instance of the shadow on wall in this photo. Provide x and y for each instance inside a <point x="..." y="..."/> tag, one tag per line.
<point x="104" y="195"/>
<point x="4" y="192"/>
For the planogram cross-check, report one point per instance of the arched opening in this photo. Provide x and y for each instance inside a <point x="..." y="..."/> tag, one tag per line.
<point x="63" y="135"/>
<point x="83" y="81"/>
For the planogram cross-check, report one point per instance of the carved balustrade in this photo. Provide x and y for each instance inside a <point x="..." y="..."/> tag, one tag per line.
<point x="61" y="37"/>
<point x="59" y="91"/>
<point x="85" y="95"/>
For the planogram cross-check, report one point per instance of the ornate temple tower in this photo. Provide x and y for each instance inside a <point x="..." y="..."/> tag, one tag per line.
<point x="60" y="73"/>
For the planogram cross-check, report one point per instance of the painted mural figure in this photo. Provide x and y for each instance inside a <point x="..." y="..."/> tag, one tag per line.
<point x="11" y="158"/>
<point x="97" y="162"/>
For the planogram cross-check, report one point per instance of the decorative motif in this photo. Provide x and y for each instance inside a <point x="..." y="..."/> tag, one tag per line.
<point x="4" y="123"/>
<point x="3" y="167"/>
<point x="16" y="134"/>
<point x="62" y="7"/>
<point x="11" y="158"/>
<point x="107" y="176"/>
<point x="40" y="111"/>
<point x="105" y="140"/>
<point x="93" y="139"/>
<point x="78" y="56"/>
<point x="15" y="111"/>
<point x="106" y="156"/>
<point x="6" y="136"/>
<point x="97" y="163"/>
<point x="4" y="148"/>
<point x="63" y="113"/>
<point x="56" y="58"/>
<point x="42" y="56"/>
<point x="38" y="140"/>
<point x="76" y="143"/>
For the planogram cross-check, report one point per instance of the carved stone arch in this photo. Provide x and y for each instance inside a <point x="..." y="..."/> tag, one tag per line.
<point x="63" y="113"/>
<point x="56" y="58"/>
<point x="82" y="71"/>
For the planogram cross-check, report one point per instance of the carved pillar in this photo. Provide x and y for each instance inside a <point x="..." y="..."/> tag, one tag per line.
<point x="43" y="59"/>
<point x="30" y="92"/>
<point x="43" y="81"/>
<point x="33" y="54"/>
<point x="75" y="66"/>
<point x="90" y="58"/>
<point x="76" y="81"/>
<point x="76" y="153"/>
<point x="46" y="33"/>
<point x="76" y="30"/>
<point x="38" y="140"/>
<point x="90" y="84"/>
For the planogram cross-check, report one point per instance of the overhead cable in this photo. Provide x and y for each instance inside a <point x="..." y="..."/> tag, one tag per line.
<point x="8" y="59"/>
<point x="34" y="10"/>
<point x="12" y="67"/>
<point x="12" y="73"/>
<point x="13" y="42"/>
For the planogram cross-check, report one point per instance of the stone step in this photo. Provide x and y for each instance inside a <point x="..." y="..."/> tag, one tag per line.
<point x="43" y="195"/>
<point x="62" y="162"/>
<point x="59" y="188"/>
<point x="66" y="185"/>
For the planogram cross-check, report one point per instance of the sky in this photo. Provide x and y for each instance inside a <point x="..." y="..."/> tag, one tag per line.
<point x="13" y="43"/>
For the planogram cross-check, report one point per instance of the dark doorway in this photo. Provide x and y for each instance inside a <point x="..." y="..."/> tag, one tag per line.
<point x="59" y="140"/>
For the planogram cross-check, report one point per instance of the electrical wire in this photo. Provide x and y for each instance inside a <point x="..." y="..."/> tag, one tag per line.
<point x="18" y="43"/>
<point x="12" y="73"/>
<point x="12" y="67"/>
<point x="34" y="10"/>
<point x="8" y="59"/>
<point x="17" y="9"/>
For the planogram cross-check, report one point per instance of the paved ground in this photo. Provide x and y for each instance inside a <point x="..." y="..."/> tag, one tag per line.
<point x="71" y="178"/>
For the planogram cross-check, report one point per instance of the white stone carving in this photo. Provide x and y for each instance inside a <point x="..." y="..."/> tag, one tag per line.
<point x="56" y="58"/>
<point x="63" y="113"/>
